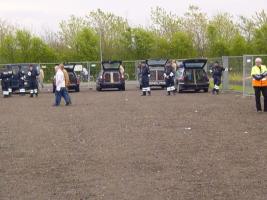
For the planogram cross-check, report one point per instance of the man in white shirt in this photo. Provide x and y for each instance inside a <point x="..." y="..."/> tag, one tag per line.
<point x="61" y="90"/>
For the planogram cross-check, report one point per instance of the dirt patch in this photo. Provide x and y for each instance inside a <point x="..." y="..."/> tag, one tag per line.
<point x="119" y="145"/>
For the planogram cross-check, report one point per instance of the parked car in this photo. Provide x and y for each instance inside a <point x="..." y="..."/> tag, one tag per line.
<point x="192" y="76"/>
<point x="15" y="77"/>
<point x="156" y="68"/>
<point x="74" y="79"/>
<point x="110" y="76"/>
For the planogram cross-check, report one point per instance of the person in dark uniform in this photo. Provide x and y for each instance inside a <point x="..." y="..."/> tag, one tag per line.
<point x="22" y="77"/>
<point x="145" y="75"/>
<point x="5" y="77"/>
<point x="169" y="78"/>
<point x="33" y="84"/>
<point x="217" y="71"/>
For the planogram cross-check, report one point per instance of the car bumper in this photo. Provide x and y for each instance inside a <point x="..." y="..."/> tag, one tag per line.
<point x="183" y="86"/>
<point x="157" y="83"/>
<point x="111" y="85"/>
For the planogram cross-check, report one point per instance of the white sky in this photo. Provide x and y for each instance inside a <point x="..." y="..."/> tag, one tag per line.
<point x="38" y="14"/>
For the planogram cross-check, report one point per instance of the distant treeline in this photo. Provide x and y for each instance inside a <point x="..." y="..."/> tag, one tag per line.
<point x="170" y="35"/>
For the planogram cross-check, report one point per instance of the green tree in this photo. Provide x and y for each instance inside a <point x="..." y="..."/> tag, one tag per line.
<point x="86" y="43"/>
<point x="260" y="40"/>
<point x="181" y="46"/>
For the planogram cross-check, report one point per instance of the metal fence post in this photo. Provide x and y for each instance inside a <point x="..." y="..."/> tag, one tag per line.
<point x="225" y="60"/>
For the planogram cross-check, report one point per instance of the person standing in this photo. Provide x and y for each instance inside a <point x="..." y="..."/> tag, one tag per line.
<point x="217" y="71"/>
<point x="259" y="83"/>
<point x="145" y="75"/>
<point x="5" y="77"/>
<point x="60" y="87"/>
<point x="169" y="78"/>
<point x="21" y="76"/>
<point x="33" y="84"/>
<point x="41" y="77"/>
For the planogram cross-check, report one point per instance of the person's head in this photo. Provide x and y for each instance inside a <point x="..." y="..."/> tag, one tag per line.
<point x="56" y="68"/>
<point x="31" y="67"/>
<point x="258" y="61"/>
<point x="61" y="66"/>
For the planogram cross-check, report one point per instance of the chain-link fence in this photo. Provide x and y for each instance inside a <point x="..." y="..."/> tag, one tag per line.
<point x="236" y="76"/>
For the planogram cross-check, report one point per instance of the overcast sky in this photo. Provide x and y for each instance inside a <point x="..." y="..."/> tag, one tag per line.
<point x="38" y="14"/>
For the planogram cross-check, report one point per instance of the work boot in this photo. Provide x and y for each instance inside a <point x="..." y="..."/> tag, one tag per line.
<point x="31" y="95"/>
<point x="168" y="93"/>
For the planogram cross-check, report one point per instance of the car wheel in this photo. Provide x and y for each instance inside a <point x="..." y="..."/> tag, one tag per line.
<point x="206" y="90"/>
<point x="123" y="87"/>
<point x="98" y="88"/>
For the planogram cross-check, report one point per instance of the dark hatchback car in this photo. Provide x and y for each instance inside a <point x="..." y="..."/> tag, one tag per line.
<point x="15" y="77"/>
<point x="192" y="76"/>
<point x="157" y="68"/>
<point x="110" y="76"/>
<point x="74" y="79"/>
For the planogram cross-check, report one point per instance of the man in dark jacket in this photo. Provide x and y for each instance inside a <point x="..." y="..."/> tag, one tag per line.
<point x="5" y="78"/>
<point x="33" y="84"/>
<point x="169" y="78"/>
<point x="145" y="75"/>
<point x="217" y="71"/>
<point x="21" y="76"/>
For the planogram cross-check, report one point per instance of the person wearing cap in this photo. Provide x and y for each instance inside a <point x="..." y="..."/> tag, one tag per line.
<point x="145" y="75"/>
<point x="22" y="77"/>
<point x="169" y="78"/>
<point x="217" y="71"/>
<point x="33" y="84"/>
<point x="5" y="77"/>
<point x="259" y="83"/>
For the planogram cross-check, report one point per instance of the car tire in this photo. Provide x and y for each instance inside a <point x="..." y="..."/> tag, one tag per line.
<point x="123" y="87"/>
<point x="206" y="90"/>
<point x="98" y="88"/>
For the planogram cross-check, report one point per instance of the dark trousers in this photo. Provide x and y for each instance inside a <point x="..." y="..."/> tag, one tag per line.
<point x="258" y="91"/>
<point x="62" y="93"/>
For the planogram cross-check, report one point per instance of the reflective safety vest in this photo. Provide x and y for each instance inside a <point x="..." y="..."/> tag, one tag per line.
<point x="257" y="71"/>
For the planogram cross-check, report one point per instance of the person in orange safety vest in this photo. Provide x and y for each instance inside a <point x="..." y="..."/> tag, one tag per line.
<point x="259" y="83"/>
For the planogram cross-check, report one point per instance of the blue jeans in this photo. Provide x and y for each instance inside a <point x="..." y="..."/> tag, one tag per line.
<point x="62" y="93"/>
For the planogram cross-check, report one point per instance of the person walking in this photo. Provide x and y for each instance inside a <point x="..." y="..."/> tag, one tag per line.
<point x="60" y="87"/>
<point x="259" y="83"/>
<point x="217" y="71"/>
<point x="67" y="80"/>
